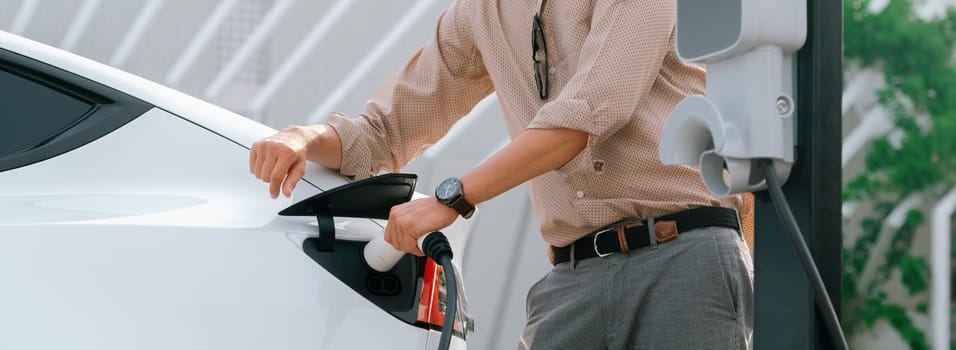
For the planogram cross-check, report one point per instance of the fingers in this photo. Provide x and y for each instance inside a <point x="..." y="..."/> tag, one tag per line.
<point x="297" y="172"/>
<point x="252" y="158"/>
<point x="408" y="239"/>
<point x="277" y="174"/>
<point x="402" y="230"/>
<point x="265" y="171"/>
<point x="395" y="229"/>
<point x="416" y="251"/>
<point x="279" y="160"/>
<point x="389" y="236"/>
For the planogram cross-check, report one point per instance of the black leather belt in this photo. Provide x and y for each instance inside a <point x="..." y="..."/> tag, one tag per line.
<point x="631" y="234"/>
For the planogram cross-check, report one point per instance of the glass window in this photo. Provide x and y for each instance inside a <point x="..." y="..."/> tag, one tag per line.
<point x="32" y="114"/>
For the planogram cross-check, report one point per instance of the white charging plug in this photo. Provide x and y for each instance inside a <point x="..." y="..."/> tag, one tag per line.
<point x="381" y="256"/>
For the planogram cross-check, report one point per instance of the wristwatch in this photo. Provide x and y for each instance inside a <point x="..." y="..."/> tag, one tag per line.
<point x="450" y="193"/>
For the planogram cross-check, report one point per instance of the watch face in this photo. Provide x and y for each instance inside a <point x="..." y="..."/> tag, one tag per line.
<point x="448" y="189"/>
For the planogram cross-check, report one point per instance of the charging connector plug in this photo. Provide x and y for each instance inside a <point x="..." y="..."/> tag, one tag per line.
<point x="435" y="245"/>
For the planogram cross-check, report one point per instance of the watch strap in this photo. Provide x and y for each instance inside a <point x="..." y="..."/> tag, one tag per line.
<point x="462" y="206"/>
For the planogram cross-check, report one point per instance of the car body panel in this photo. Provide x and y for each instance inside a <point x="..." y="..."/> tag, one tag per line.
<point x="133" y="287"/>
<point x="156" y="236"/>
<point x="157" y="155"/>
<point x="141" y="250"/>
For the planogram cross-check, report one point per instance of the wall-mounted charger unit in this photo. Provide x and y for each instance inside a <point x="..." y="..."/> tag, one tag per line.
<point x="748" y="48"/>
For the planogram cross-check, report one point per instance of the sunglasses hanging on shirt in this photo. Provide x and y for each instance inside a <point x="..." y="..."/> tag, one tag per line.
<point x="539" y="53"/>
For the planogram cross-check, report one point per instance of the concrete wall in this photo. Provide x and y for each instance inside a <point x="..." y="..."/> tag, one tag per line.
<point x="368" y="41"/>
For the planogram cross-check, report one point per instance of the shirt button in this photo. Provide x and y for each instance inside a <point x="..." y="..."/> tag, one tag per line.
<point x="580" y="194"/>
<point x="552" y="71"/>
<point x="599" y="165"/>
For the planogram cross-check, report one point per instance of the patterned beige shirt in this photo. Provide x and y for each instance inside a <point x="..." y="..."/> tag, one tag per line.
<point x="614" y="74"/>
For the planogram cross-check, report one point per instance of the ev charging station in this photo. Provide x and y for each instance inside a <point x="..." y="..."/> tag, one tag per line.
<point x="774" y="85"/>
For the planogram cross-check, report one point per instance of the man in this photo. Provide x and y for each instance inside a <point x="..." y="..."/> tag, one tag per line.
<point x="645" y="256"/>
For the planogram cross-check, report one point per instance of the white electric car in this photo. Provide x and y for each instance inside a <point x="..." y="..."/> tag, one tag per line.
<point x="129" y="220"/>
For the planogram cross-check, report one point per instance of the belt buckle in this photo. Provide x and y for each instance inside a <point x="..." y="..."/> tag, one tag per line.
<point x="598" y="234"/>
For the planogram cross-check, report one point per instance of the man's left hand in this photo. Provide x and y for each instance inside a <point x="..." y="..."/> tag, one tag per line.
<point x="408" y="221"/>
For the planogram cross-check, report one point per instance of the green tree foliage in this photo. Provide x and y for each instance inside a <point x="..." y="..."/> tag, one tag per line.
<point x="917" y="58"/>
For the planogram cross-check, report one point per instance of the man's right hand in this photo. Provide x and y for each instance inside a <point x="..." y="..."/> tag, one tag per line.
<point x="280" y="159"/>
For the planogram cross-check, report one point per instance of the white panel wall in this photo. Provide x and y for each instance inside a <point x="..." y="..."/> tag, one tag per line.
<point x="506" y="254"/>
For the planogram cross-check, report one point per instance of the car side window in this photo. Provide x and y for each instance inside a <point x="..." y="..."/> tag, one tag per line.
<point x="46" y="111"/>
<point x="34" y="113"/>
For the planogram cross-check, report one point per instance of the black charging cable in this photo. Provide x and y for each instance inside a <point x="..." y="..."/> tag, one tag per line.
<point x="796" y="239"/>
<point x="436" y="246"/>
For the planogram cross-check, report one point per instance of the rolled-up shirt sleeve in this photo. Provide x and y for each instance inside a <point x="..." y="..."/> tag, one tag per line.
<point x="619" y="61"/>
<point x="440" y="83"/>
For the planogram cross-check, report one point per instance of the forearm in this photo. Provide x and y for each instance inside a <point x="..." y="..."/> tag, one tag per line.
<point x="324" y="145"/>
<point x="532" y="153"/>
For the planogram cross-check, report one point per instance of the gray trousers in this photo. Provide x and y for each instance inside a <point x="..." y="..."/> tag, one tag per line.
<point x="694" y="292"/>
